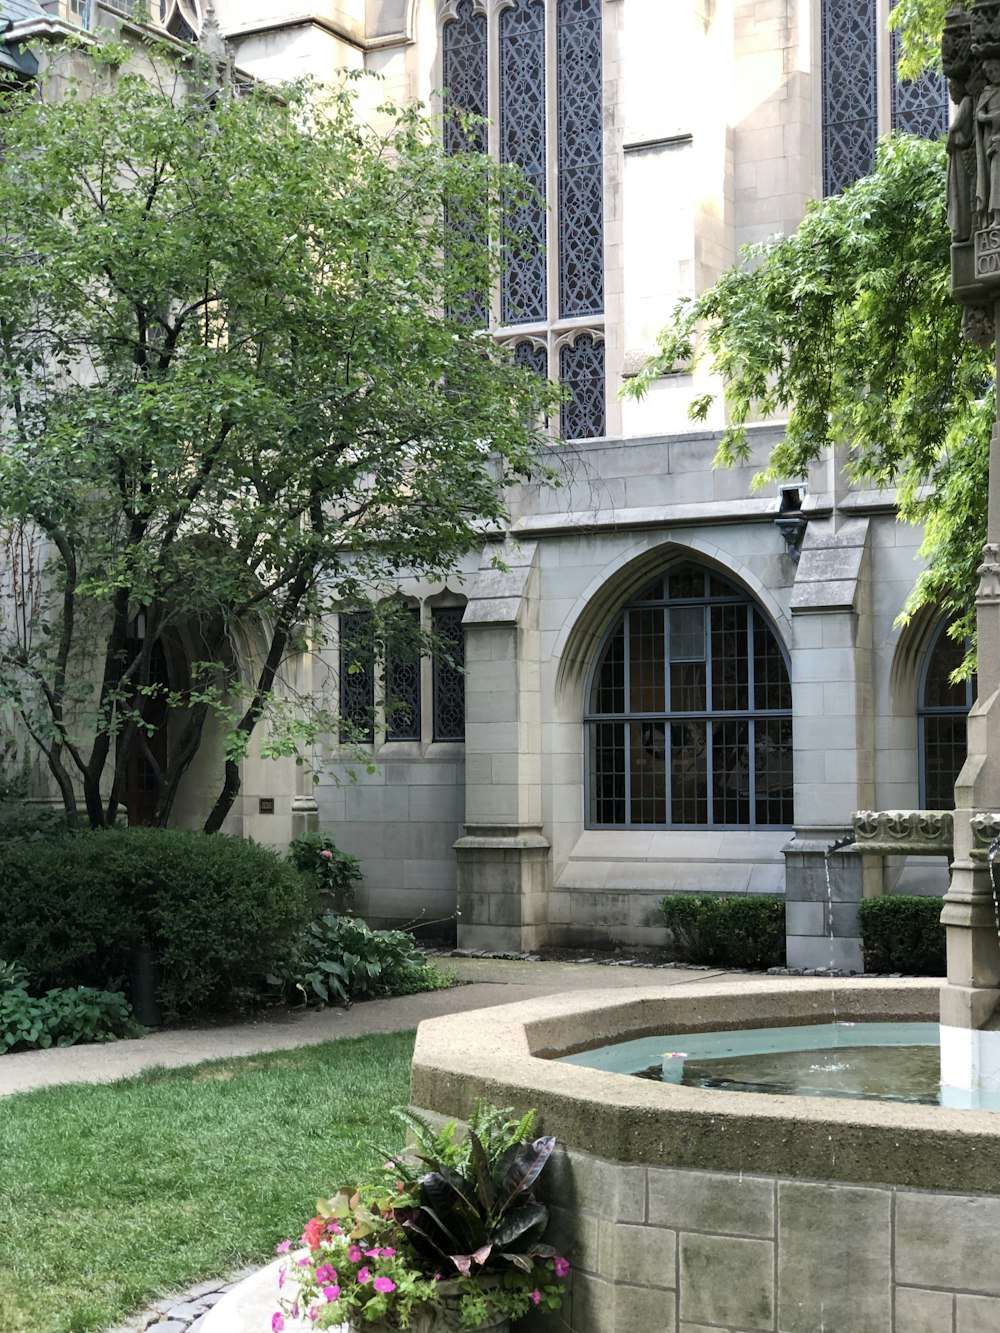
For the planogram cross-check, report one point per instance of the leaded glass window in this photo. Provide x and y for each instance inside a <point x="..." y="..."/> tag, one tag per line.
<point x="402" y="685"/>
<point x="449" y="675"/>
<point x="581" y="158"/>
<point x="522" y="141"/>
<point x="919" y="107"/>
<point x="357" y="677"/>
<point x="850" y="91"/>
<point x="581" y="370"/>
<point x="850" y="78"/>
<point x="690" y="711"/>
<point x="942" y="719"/>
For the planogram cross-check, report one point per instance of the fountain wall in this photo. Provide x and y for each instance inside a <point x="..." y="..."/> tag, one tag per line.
<point x="686" y="1210"/>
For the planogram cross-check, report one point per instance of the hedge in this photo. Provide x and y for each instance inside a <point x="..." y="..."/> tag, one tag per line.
<point x="217" y="912"/>
<point x="745" y="930"/>
<point x="902" y="933"/>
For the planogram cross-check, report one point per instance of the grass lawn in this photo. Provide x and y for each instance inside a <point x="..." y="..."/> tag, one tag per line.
<point x="113" y="1195"/>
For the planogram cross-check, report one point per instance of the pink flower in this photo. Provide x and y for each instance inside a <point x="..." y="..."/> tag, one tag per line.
<point x="437" y="1277"/>
<point x="303" y="1263"/>
<point x="561" y="1266"/>
<point x="331" y="1293"/>
<point x="335" y="1228"/>
<point x="326" y="1273"/>
<point x="354" y="1254"/>
<point x="373" y="1254"/>
<point x="536" y="1296"/>
<point x="364" y="1275"/>
<point x="313" y="1233"/>
<point x="283" y="1247"/>
<point x="388" y="1252"/>
<point x="281" y="1277"/>
<point x="313" y="1313"/>
<point x="277" y="1322"/>
<point x="384" y="1284"/>
<point x="326" y="854"/>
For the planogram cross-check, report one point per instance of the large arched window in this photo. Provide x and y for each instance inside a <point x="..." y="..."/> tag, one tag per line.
<point x="942" y="714"/>
<point x="689" y="719"/>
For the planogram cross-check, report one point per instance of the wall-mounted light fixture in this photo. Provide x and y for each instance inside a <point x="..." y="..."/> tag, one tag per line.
<point x="791" y="521"/>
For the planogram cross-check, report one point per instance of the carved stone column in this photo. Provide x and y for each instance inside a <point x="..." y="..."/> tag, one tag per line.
<point x="970" y="1001"/>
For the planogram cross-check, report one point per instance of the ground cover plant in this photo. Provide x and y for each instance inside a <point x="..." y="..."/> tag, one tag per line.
<point x="110" y="1196"/>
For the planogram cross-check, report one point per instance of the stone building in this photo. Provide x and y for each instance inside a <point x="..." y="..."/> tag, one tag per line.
<point x="676" y="683"/>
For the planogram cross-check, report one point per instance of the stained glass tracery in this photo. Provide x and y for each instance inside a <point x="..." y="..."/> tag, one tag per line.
<point x="522" y="141"/>
<point x="581" y="158"/>
<point x="850" y="91"/>
<point x="581" y="371"/>
<point x="919" y="107"/>
<point x="181" y="18"/>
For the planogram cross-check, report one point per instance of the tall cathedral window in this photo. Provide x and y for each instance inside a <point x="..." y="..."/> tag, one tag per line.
<point x="689" y="722"/>
<point x="534" y="68"/>
<point x="858" y="59"/>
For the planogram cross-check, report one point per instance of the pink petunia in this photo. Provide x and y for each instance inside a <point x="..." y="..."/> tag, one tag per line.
<point x="536" y="1296"/>
<point x="303" y="1263"/>
<point x="364" y="1275"/>
<point x="326" y="1273"/>
<point x="373" y="1254"/>
<point x="313" y="1313"/>
<point x="384" y="1284"/>
<point x="354" y="1254"/>
<point x="331" y="1293"/>
<point x="281" y="1276"/>
<point x="283" y="1247"/>
<point x="335" y="1228"/>
<point x="561" y="1266"/>
<point x="277" y="1322"/>
<point x="388" y="1252"/>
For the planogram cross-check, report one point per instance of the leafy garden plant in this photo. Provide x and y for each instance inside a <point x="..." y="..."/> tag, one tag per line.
<point x="334" y="872"/>
<point x="63" y="1016"/>
<point x="454" y="1229"/>
<point x="339" y="959"/>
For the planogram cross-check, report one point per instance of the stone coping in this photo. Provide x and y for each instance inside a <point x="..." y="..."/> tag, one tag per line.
<point x="504" y="1055"/>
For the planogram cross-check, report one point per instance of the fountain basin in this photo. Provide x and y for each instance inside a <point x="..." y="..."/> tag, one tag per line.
<point x="688" y="1209"/>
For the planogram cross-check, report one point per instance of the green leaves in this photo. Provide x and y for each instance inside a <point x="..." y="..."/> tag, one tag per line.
<point x="848" y="329"/>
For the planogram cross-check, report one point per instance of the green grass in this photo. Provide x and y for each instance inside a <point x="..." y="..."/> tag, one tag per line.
<point x="113" y="1195"/>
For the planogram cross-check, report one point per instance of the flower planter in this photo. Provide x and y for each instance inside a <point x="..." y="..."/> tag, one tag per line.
<point x="441" y="1317"/>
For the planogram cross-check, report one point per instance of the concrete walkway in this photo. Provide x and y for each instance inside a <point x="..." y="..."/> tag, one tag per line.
<point x="486" y="982"/>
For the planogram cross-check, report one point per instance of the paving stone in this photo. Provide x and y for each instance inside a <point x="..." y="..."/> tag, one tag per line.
<point x="187" y="1310"/>
<point x="919" y="1311"/>
<point x="977" y="1314"/>
<point x="170" y="1326"/>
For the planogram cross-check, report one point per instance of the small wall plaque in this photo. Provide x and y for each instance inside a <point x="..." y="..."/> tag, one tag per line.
<point x="265" y="805"/>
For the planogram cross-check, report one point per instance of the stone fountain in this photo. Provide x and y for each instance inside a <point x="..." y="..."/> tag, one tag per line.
<point x="970" y="1001"/>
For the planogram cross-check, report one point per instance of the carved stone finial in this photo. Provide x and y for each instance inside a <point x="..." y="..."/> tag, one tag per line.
<point x="985" y="23"/>
<point x="979" y="326"/>
<point x="956" y="45"/>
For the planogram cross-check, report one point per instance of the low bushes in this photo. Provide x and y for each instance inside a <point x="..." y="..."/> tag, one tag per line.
<point x="902" y="933"/>
<point x="217" y="912"/>
<point x="738" y="931"/>
<point x="332" y="871"/>
<point x="339" y="959"/>
<point x="62" y="1017"/>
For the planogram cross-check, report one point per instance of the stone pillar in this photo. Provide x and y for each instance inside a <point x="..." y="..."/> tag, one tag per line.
<point x="503" y="859"/>
<point x="970" y="1001"/>
<point x="834" y="745"/>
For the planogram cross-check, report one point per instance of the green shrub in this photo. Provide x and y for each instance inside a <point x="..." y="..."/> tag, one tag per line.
<point x="334" y="872"/>
<point x="738" y="931"/>
<point x="339" y="959"/>
<point x="26" y="821"/>
<point x="217" y="912"/>
<point x="62" y="1018"/>
<point x="900" y="933"/>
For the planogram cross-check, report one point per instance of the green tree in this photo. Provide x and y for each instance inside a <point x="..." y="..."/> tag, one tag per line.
<point x="848" y="328"/>
<point x="238" y="384"/>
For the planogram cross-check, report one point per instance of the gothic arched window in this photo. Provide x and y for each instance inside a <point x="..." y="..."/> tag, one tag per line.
<point x="689" y="719"/>
<point x="853" y="68"/>
<point x="942" y="715"/>
<point x="181" y="18"/>
<point x="535" y="67"/>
